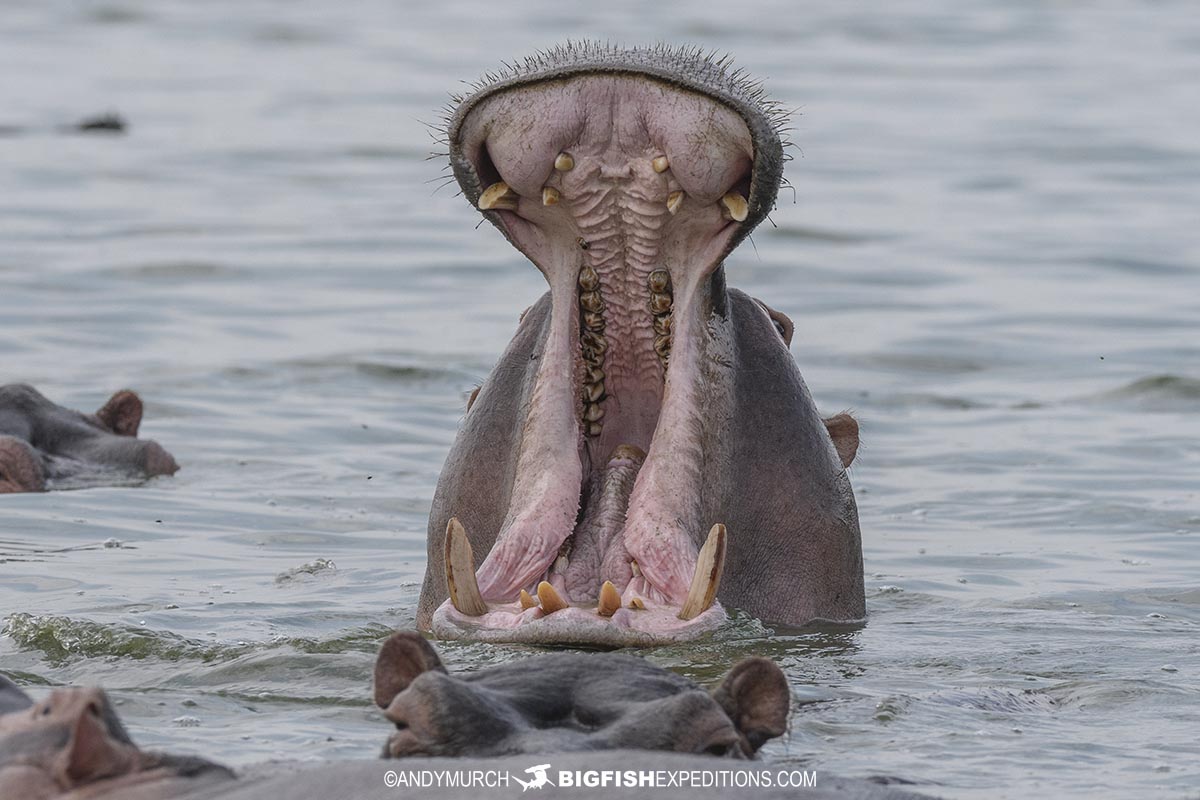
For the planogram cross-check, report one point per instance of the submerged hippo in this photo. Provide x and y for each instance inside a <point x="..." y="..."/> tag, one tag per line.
<point x="45" y="446"/>
<point x="645" y="451"/>
<point x="572" y="701"/>
<point x="575" y="711"/>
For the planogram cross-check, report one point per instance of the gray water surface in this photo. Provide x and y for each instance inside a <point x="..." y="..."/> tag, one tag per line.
<point x="992" y="255"/>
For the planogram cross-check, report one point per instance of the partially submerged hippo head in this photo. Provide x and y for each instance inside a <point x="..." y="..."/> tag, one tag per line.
<point x="646" y="445"/>
<point x="45" y="446"/>
<point x="71" y="744"/>
<point x="571" y="701"/>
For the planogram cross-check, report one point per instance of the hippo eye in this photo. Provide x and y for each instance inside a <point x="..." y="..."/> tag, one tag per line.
<point x="45" y="711"/>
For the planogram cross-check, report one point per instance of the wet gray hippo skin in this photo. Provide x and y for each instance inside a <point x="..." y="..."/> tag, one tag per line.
<point x="645" y="453"/>
<point x="572" y="701"/>
<point x="574" y="711"/>
<point x="45" y="446"/>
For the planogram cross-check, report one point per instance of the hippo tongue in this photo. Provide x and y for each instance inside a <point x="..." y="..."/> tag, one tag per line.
<point x="596" y="551"/>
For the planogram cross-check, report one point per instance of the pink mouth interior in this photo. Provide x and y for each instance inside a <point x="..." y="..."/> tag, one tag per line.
<point x="632" y="375"/>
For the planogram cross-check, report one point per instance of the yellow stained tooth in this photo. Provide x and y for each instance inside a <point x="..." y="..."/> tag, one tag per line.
<point x="551" y="600"/>
<point x="635" y="569"/>
<point x="498" y="196"/>
<point x="610" y="600"/>
<point x="660" y="164"/>
<point x="564" y="163"/>
<point x="674" y="201"/>
<point x="637" y="604"/>
<point x="735" y="206"/>
<point x="550" y="196"/>
<point x="460" y="571"/>
<point x="710" y="563"/>
<point x="527" y="601"/>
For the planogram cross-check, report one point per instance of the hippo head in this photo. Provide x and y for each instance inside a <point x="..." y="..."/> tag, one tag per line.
<point x="72" y="745"/>
<point x="646" y="451"/>
<point x="43" y="445"/>
<point x="571" y="701"/>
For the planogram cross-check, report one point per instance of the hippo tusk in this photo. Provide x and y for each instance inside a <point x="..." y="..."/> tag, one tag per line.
<point x="709" y="565"/>
<point x="736" y="207"/>
<point x="460" y="571"/>
<point x="498" y="196"/>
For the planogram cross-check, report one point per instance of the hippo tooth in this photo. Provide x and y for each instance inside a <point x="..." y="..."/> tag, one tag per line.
<point x="594" y="412"/>
<point x="588" y="279"/>
<point x="551" y="600"/>
<point x="637" y="605"/>
<point x="706" y="579"/>
<point x="660" y="164"/>
<point x="527" y="601"/>
<point x="660" y="281"/>
<point x="561" y="564"/>
<point x="564" y="163"/>
<point x="736" y="207"/>
<point x="594" y="428"/>
<point x="593" y="392"/>
<point x="460" y="571"/>
<point x="635" y="569"/>
<point x="610" y="600"/>
<point x="674" y="201"/>
<point x="498" y="196"/>
<point x="550" y="196"/>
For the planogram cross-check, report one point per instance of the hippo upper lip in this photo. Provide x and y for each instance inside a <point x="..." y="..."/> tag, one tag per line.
<point x="627" y="198"/>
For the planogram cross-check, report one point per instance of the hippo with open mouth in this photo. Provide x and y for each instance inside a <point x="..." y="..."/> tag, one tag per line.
<point x="645" y="453"/>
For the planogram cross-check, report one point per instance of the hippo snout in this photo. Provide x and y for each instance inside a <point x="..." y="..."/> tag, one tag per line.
<point x="157" y="461"/>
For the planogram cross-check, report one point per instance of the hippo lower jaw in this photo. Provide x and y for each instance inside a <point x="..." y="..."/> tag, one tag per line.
<point x="627" y="201"/>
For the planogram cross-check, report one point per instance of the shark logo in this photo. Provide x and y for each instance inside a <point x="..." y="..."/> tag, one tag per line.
<point x="539" y="779"/>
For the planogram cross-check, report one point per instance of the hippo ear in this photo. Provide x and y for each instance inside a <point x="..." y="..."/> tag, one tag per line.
<point x="756" y="697"/>
<point x="782" y="322"/>
<point x="12" y="698"/>
<point x="843" y="429"/>
<point x="401" y="659"/>
<point x="122" y="414"/>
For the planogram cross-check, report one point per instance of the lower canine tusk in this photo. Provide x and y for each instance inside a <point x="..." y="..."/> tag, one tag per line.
<point x="709" y="565"/>
<point x="460" y="572"/>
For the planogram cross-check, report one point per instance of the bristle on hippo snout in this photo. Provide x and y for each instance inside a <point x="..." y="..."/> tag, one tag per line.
<point x="700" y="73"/>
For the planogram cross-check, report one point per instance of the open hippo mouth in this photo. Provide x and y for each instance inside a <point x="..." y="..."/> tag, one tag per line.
<point x="625" y="177"/>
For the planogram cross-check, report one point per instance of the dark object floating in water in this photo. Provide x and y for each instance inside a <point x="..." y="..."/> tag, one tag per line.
<point x="110" y="122"/>
<point x="107" y="123"/>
